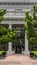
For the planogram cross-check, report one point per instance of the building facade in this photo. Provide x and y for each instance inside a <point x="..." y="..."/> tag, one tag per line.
<point x="14" y="19"/>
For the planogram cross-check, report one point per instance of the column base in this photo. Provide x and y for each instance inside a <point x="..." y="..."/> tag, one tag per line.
<point x="26" y="52"/>
<point x="10" y="52"/>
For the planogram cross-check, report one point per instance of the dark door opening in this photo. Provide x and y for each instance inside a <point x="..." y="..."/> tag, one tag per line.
<point x="18" y="46"/>
<point x="18" y="49"/>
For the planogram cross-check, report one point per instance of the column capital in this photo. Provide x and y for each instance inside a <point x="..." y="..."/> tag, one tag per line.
<point x="10" y="26"/>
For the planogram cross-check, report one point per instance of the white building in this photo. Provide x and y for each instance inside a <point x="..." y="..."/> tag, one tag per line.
<point x="14" y="19"/>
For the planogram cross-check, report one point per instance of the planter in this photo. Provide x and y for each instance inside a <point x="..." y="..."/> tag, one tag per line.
<point x="33" y="55"/>
<point x="2" y="54"/>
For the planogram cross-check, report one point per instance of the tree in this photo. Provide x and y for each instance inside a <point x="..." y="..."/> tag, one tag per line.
<point x="6" y="35"/>
<point x="31" y="24"/>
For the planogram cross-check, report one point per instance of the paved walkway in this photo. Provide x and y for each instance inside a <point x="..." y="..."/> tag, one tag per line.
<point x="18" y="59"/>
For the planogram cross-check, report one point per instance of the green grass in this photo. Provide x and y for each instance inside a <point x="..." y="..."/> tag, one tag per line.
<point x="1" y="52"/>
<point x="35" y="53"/>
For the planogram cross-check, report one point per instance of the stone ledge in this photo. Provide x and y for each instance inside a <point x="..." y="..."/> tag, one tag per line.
<point x="10" y="1"/>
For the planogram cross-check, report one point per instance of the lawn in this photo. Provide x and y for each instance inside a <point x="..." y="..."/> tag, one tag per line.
<point x="34" y="52"/>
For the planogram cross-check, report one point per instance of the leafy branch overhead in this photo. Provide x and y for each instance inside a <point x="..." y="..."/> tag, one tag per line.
<point x="2" y="12"/>
<point x="6" y="35"/>
<point x="31" y="25"/>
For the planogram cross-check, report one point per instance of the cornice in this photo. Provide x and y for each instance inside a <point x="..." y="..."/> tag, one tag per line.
<point x="18" y="2"/>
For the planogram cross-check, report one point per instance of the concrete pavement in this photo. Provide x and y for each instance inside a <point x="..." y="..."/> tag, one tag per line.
<point x="18" y="59"/>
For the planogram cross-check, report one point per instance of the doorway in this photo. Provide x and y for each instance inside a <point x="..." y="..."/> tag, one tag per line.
<point x="19" y="44"/>
<point x="18" y="49"/>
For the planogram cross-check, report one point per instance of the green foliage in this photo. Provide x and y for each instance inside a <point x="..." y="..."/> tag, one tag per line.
<point x="6" y="35"/>
<point x="3" y="31"/>
<point x="31" y="23"/>
<point x="2" y="12"/>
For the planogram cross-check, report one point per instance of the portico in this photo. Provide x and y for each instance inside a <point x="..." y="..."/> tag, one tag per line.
<point x="26" y="50"/>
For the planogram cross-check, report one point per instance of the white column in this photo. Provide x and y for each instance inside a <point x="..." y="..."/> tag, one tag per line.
<point x="26" y="45"/>
<point x="10" y="43"/>
<point x="10" y="48"/>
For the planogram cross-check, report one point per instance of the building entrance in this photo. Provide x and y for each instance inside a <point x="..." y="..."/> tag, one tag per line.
<point x="18" y="49"/>
<point x="19" y="44"/>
